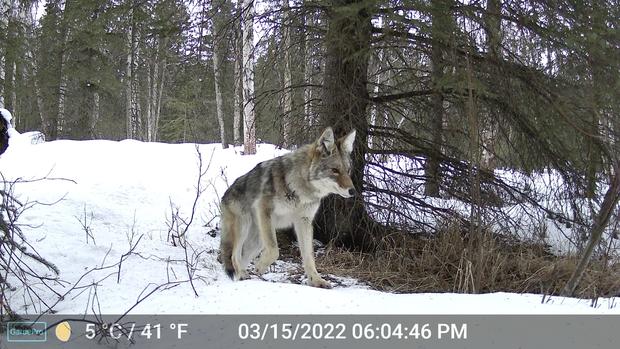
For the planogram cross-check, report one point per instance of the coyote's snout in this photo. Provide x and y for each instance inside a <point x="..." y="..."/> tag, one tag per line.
<point x="279" y="193"/>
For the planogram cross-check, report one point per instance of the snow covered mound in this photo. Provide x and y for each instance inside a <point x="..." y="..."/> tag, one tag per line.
<point x="100" y="199"/>
<point x="4" y="113"/>
<point x="16" y="138"/>
<point x="27" y="138"/>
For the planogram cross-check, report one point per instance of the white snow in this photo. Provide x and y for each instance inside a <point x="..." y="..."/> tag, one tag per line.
<point x="122" y="192"/>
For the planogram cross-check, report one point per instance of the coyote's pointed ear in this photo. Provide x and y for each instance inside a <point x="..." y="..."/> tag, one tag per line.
<point x="347" y="142"/>
<point x="325" y="144"/>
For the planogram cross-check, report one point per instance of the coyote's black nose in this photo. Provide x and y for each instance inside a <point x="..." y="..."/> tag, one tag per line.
<point x="352" y="192"/>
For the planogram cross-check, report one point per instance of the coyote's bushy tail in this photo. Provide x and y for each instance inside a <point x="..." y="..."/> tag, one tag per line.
<point x="226" y="251"/>
<point x="226" y="242"/>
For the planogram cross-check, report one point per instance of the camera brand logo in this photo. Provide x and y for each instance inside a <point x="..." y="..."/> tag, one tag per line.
<point x="25" y="331"/>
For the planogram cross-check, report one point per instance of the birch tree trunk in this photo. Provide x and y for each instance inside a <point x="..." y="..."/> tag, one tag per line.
<point x="94" y="119"/>
<point x="378" y="113"/>
<point x="155" y="77"/>
<point x="3" y="24"/>
<point x="149" y="98"/>
<point x="62" y="86"/>
<point x="237" y="84"/>
<point x="160" y="93"/>
<point x="287" y="92"/>
<point x="237" y="97"/>
<point x="131" y="88"/>
<point x="13" y="95"/>
<point x="249" y="123"/>
<point x="376" y="66"/>
<point x="9" y="70"/>
<point x="308" y="80"/>
<point x="1" y="79"/>
<point x="128" y="78"/>
<point x="218" y="97"/>
<point x="217" y="68"/>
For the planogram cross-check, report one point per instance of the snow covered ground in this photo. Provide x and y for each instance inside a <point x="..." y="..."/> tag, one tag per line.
<point x="95" y="199"/>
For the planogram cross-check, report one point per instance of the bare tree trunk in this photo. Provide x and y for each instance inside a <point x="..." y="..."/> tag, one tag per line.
<point x="308" y="95"/>
<point x="160" y="94"/>
<point x="307" y="76"/>
<point x="185" y="123"/>
<point x="94" y="119"/>
<point x="3" y="49"/>
<point x="131" y="85"/>
<point x="377" y="67"/>
<point x="128" y="80"/>
<point x="311" y="60"/>
<point x="218" y="93"/>
<point x="238" y="94"/>
<point x="13" y="95"/>
<point x="155" y="77"/>
<point x="60" y="116"/>
<point x="374" y="109"/>
<point x="2" y="76"/>
<point x="136" y="107"/>
<point x="62" y="88"/>
<point x="237" y="76"/>
<point x="155" y="85"/>
<point x="249" y="123"/>
<point x="150" y="67"/>
<point x="217" y="69"/>
<point x="5" y="7"/>
<point x="154" y="93"/>
<point x="287" y="92"/>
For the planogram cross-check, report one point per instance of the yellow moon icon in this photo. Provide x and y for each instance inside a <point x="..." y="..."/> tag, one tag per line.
<point x="63" y="331"/>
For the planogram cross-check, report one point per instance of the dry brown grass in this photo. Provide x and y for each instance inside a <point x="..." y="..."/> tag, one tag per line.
<point x="452" y="262"/>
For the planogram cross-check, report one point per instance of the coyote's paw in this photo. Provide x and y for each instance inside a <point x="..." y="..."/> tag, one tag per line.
<point x="317" y="281"/>
<point x="266" y="259"/>
<point x="242" y="275"/>
<point x="262" y="268"/>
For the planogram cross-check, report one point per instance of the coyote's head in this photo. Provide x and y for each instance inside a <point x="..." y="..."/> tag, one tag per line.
<point x="331" y="164"/>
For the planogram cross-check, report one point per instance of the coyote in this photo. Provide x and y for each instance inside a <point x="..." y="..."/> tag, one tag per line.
<point x="280" y="193"/>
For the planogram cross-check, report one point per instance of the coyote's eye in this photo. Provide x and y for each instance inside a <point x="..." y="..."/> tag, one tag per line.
<point x="335" y="171"/>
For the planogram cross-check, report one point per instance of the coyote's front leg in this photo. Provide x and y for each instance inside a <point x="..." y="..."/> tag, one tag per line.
<point x="303" y="229"/>
<point x="270" y="252"/>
